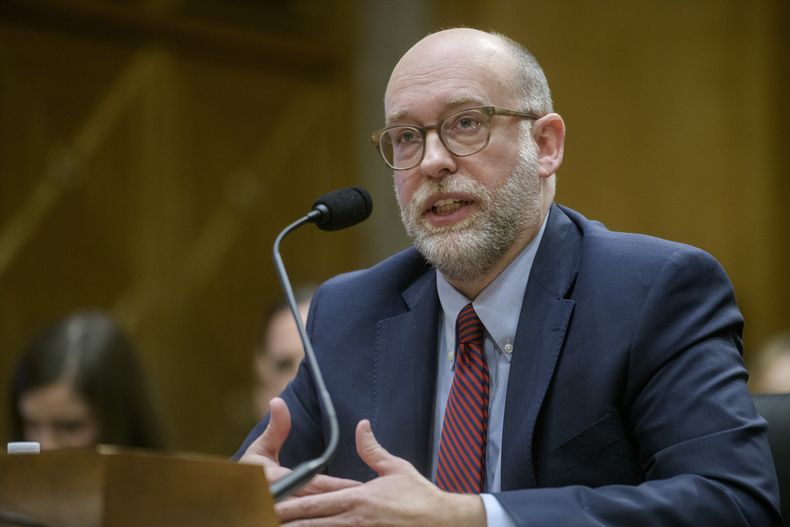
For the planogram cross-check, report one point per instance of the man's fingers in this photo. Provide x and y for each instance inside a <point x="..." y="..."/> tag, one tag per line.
<point x="321" y="484"/>
<point x="271" y="441"/>
<point x="374" y="455"/>
<point x="315" y="506"/>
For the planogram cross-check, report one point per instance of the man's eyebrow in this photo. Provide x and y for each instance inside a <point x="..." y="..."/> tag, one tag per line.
<point x="452" y="103"/>
<point x="463" y="100"/>
<point x="394" y="116"/>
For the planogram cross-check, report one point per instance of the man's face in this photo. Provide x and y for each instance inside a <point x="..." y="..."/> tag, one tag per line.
<point x="278" y="361"/>
<point x="463" y="213"/>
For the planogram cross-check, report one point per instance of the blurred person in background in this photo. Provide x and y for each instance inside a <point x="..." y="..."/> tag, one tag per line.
<point x="770" y="368"/>
<point x="279" y="351"/>
<point x="79" y="383"/>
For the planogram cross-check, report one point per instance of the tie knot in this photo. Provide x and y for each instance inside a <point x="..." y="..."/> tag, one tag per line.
<point x="469" y="329"/>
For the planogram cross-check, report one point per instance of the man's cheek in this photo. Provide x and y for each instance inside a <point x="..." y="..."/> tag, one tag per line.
<point x="402" y="192"/>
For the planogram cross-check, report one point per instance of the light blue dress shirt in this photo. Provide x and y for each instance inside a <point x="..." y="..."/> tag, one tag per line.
<point x="499" y="307"/>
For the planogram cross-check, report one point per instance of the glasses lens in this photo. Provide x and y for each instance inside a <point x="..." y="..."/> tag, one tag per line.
<point x="466" y="132"/>
<point x="401" y="146"/>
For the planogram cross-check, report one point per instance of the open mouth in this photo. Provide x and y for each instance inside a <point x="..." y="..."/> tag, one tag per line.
<point x="444" y="207"/>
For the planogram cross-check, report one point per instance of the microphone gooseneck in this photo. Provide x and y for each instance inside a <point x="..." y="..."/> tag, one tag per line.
<point x="333" y="211"/>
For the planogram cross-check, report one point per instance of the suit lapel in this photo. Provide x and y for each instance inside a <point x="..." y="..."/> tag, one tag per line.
<point x="545" y="314"/>
<point x="405" y="374"/>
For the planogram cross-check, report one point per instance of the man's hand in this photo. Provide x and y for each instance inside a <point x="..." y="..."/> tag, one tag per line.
<point x="399" y="496"/>
<point x="265" y="451"/>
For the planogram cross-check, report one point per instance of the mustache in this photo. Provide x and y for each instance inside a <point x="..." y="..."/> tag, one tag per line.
<point x="460" y="184"/>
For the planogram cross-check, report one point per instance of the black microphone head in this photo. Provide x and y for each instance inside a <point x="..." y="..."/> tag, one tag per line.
<point x="342" y="208"/>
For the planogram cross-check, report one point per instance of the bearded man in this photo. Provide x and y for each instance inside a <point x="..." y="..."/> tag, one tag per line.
<point x="521" y="365"/>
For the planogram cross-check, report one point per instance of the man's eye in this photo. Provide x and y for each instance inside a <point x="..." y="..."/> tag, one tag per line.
<point x="285" y="365"/>
<point x="407" y="137"/>
<point x="467" y="122"/>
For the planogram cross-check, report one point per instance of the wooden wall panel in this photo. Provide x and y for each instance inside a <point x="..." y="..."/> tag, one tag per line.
<point x="149" y="157"/>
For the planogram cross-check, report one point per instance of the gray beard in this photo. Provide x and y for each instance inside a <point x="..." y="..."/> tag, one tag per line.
<point x="469" y="249"/>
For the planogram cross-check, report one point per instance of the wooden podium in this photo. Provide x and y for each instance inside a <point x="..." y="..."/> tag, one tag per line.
<point x="110" y="487"/>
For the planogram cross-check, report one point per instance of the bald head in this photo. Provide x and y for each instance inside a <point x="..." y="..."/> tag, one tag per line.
<point x="508" y="68"/>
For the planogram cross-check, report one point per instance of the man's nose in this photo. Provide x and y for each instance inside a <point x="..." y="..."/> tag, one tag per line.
<point x="437" y="162"/>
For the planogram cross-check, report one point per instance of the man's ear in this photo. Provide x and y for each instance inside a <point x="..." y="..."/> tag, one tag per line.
<point x="549" y="135"/>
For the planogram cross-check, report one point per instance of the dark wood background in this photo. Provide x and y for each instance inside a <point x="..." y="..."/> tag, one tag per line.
<point x="151" y="150"/>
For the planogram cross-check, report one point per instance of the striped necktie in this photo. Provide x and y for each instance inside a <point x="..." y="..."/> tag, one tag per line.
<point x="461" y="465"/>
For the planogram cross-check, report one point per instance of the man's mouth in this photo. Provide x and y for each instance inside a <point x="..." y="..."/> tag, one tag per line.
<point x="444" y="207"/>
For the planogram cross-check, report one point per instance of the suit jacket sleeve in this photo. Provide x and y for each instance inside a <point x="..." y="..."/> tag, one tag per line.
<point x="700" y="443"/>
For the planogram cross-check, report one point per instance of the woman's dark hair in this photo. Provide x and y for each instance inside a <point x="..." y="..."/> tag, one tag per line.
<point x="302" y="294"/>
<point x="91" y="353"/>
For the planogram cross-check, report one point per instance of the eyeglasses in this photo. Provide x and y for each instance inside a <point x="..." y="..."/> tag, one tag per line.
<point x="463" y="133"/>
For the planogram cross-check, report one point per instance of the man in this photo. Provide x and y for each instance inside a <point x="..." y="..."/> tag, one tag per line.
<point x="597" y="377"/>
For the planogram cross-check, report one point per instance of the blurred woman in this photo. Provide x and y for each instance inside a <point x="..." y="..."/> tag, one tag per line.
<point x="78" y="384"/>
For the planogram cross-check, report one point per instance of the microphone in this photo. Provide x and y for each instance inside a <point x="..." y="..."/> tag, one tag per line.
<point x="337" y="210"/>
<point x="341" y="208"/>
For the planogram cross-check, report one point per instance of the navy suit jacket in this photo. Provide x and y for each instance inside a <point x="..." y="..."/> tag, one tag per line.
<point x="626" y="402"/>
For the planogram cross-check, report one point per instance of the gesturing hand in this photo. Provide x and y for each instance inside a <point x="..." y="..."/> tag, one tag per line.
<point x="265" y="451"/>
<point x="399" y="496"/>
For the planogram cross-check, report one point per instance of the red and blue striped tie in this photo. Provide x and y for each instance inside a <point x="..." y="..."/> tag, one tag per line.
<point x="462" y="448"/>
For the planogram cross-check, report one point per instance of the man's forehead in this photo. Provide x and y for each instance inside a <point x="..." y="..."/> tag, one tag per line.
<point x="411" y="98"/>
<point x="457" y="101"/>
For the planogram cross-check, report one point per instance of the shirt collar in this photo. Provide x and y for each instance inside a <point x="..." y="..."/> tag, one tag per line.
<point x="499" y="304"/>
